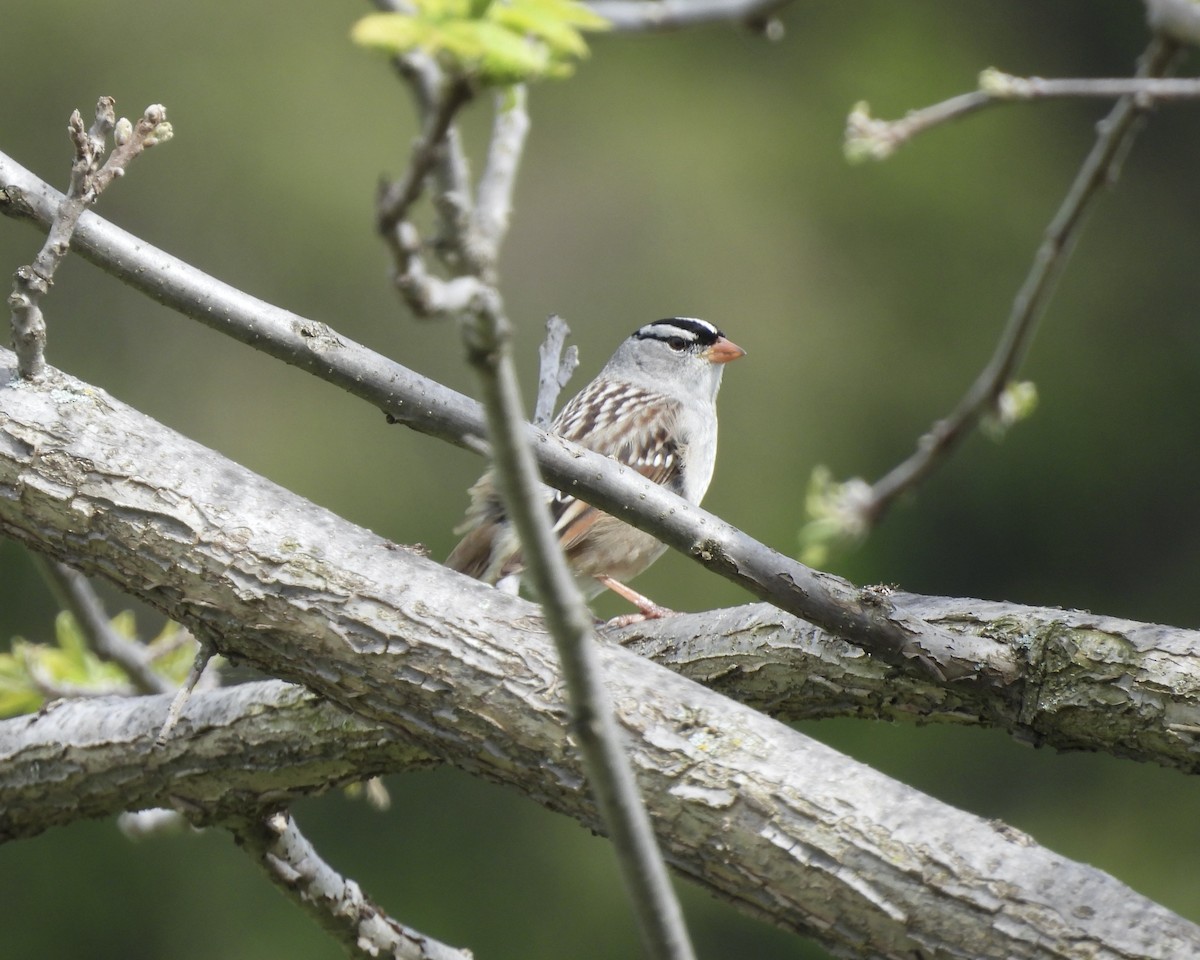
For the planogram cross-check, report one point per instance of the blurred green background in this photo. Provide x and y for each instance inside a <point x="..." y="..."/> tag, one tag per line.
<point x="698" y="172"/>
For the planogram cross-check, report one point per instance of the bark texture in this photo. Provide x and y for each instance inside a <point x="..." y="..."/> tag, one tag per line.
<point x="784" y="827"/>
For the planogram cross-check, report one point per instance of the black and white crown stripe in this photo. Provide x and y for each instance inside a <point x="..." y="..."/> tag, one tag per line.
<point x="693" y="332"/>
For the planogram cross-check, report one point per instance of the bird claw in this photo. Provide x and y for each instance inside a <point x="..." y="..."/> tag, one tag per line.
<point x="628" y="619"/>
<point x="647" y="608"/>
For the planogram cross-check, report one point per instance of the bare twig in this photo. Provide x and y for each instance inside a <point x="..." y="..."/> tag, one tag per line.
<point x="472" y="232"/>
<point x="1100" y="169"/>
<point x="471" y="296"/>
<point x="639" y="15"/>
<point x="337" y="903"/>
<point x="76" y="594"/>
<point x="873" y="139"/>
<point x="554" y="369"/>
<point x="397" y="198"/>
<point x="493" y="203"/>
<point x="760" y="814"/>
<point x="1148" y="89"/>
<point x="427" y="81"/>
<point x="868" y="138"/>
<point x="437" y="151"/>
<point x="88" y="180"/>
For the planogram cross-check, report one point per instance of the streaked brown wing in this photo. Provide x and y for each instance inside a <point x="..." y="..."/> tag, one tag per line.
<point x="598" y="419"/>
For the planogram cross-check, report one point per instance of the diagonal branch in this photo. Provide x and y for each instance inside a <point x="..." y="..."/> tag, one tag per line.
<point x="868" y="617"/>
<point x="807" y="838"/>
<point x="76" y="594"/>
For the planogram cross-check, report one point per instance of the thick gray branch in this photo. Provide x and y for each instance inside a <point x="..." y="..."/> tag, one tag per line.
<point x="235" y="749"/>
<point x="1090" y="682"/>
<point x="1103" y="684"/>
<point x="784" y="827"/>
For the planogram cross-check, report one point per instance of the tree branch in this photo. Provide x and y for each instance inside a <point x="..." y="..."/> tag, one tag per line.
<point x="488" y="338"/>
<point x="240" y="748"/>
<point x="868" y="617"/>
<point x="1094" y="683"/>
<point x="487" y="335"/>
<point x="1100" y="170"/>
<point x="336" y="903"/>
<point x="807" y="838"/>
<point x="493" y="203"/>
<point x="640" y="15"/>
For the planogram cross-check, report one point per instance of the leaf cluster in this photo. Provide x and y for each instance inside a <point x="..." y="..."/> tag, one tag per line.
<point x="491" y="42"/>
<point x="33" y="673"/>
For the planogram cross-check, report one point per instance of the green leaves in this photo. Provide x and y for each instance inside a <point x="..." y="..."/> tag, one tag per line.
<point x="494" y="42"/>
<point x="33" y="673"/>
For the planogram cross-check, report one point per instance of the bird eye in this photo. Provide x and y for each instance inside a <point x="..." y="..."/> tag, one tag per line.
<point x="678" y="344"/>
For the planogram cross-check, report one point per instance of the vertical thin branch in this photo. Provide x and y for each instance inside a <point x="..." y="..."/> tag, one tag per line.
<point x="395" y="201"/>
<point x="471" y="248"/>
<point x="204" y="656"/>
<point x="610" y="774"/>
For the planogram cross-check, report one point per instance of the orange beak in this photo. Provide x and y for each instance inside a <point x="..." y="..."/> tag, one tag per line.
<point x="724" y="350"/>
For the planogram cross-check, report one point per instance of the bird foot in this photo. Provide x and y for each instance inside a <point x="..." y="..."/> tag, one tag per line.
<point x="647" y="608"/>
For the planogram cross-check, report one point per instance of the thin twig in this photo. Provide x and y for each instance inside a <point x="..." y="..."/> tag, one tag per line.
<point x="868" y="138"/>
<point x="610" y="774"/>
<point x="555" y="366"/>
<point x="88" y="180"/>
<point x="76" y="594"/>
<point x="204" y="656"/>
<point x="337" y="903"/>
<point x="639" y="15"/>
<point x="1100" y="169"/>
<point x="493" y="203"/>
<point x="437" y="151"/>
<point x="471" y="295"/>
<point x="1149" y="89"/>
<point x="451" y="172"/>
<point x="396" y="200"/>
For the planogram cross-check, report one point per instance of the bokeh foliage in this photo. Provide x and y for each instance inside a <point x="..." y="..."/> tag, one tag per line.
<point x="699" y="172"/>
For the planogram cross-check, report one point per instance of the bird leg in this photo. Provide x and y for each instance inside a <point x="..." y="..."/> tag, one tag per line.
<point x="647" y="608"/>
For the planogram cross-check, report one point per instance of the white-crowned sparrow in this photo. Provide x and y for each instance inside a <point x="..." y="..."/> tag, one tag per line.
<point x="653" y="407"/>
